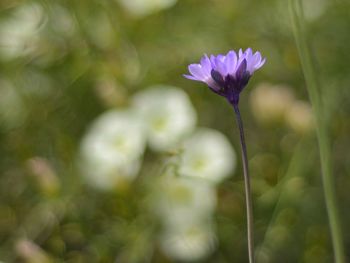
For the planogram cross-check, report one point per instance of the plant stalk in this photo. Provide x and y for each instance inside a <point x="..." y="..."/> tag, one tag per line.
<point x="313" y="86"/>
<point x="248" y="196"/>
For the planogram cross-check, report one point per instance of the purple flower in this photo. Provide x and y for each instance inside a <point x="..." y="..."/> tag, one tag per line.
<point x="227" y="75"/>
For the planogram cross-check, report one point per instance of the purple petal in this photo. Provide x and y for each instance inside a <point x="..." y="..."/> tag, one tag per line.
<point x="213" y="85"/>
<point x="190" y="77"/>
<point x="241" y="69"/>
<point x="248" y="53"/>
<point x="262" y="62"/>
<point x="206" y="65"/>
<point x="212" y="61"/>
<point x="197" y="71"/>
<point x="252" y="62"/>
<point x="222" y="71"/>
<point x="217" y="77"/>
<point x="220" y="57"/>
<point x="231" y="62"/>
<point x="257" y="57"/>
<point x="241" y="57"/>
<point x="220" y="66"/>
<point x="255" y="62"/>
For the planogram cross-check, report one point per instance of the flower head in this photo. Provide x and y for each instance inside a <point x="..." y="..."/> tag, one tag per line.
<point x="180" y="201"/>
<point x="193" y="242"/>
<point x="168" y="115"/>
<point x="208" y="155"/>
<point x="227" y="75"/>
<point x="112" y="149"/>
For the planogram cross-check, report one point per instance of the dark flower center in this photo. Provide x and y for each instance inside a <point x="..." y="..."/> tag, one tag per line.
<point x="232" y="85"/>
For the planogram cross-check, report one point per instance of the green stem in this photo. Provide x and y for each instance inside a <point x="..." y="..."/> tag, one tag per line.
<point x="248" y="198"/>
<point x="296" y="13"/>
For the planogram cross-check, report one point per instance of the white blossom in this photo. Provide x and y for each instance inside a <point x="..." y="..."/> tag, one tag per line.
<point x="168" y="114"/>
<point x="19" y="33"/>
<point x="207" y="154"/>
<point x="190" y="243"/>
<point x="111" y="150"/>
<point x="183" y="201"/>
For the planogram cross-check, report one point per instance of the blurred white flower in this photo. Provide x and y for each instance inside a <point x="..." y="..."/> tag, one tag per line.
<point x="269" y="103"/>
<point x="190" y="243"/>
<point x="19" y="33"/>
<point x="145" y="7"/>
<point x="108" y="175"/>
<point x="168" y="113"/>
<point x="209" y="155"/>
<point x="111" y="151"/>
<point x="184" y="201"/>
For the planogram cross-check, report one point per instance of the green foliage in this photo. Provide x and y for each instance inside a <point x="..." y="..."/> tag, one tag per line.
<point x="64" y="63"/>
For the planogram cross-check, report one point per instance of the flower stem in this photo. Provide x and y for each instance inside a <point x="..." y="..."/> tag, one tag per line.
<point x="248" y="198"/>
<point x="313" y="85"/>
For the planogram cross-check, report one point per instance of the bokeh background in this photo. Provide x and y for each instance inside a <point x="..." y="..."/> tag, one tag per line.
<point x="107" y="154"/>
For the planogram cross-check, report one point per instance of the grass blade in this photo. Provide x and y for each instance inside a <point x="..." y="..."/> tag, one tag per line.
<point x="313" y="86"/>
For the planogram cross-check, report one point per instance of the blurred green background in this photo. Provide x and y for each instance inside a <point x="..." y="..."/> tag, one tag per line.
<point x="63" y="63"/>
